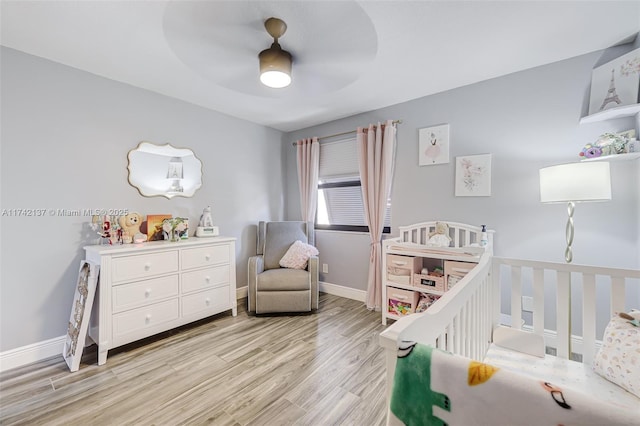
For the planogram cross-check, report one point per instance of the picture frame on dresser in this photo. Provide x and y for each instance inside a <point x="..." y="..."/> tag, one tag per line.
<point x="78" y="325"/>
<point x="154" y="226"/>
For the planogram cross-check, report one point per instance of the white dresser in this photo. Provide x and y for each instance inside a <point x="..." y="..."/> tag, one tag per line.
<point x="152" y="287"/>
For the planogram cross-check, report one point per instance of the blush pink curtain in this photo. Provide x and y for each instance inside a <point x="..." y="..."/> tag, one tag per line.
<point x="376" y="152"/>
<point x="308" y="155"/>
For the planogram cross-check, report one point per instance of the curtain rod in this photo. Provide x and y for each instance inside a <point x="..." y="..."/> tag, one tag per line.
<point x="345" y="133"/>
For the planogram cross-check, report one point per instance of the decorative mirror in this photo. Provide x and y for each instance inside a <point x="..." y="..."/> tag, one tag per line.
<point x="162" y="170"/>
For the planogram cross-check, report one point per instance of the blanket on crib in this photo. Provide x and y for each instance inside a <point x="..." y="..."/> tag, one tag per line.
<point x="433" y="387"/>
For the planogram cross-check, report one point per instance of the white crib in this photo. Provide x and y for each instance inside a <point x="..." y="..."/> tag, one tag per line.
<point x="467" y="320"/>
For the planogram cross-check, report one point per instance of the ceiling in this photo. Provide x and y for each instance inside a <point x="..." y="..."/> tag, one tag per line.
<point x="349" y="56"/>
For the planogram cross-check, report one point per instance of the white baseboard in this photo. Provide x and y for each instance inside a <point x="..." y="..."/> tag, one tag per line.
<point x="31" y="353"/>
<point x="242" y="292"/>
<point x="336" y="290"/>
<point x="42" y="350"/>
<point x="342" y="291"/>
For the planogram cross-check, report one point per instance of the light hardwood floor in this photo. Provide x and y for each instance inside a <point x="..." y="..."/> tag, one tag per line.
<point x="319" y="369"/>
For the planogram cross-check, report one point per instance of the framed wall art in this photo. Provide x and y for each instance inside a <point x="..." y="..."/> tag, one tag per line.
<point x="615" y="83"/>
<point x="433" y="145"/>
<point x="473" y="176"/>
<point x="80" y="314"/>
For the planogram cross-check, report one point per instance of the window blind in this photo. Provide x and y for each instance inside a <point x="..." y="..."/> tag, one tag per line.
<point x="338" y="159"/>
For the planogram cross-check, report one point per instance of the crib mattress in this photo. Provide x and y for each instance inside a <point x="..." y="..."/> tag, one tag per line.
<point x="563" y="373"/>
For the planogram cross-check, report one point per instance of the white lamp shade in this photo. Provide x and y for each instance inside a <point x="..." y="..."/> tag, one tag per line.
<point x="585" y="181"/>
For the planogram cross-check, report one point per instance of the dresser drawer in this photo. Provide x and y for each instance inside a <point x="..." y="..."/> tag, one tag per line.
<point x="146" y="265"/>
<point x="205" y="278"/>
<point x="135" y="321"/>
<point x="139" y="293"/>
<point x="204" y="256"/>
<point x="205" y="300"/>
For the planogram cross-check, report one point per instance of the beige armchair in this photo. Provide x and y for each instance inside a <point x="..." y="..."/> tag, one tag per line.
<point x="276" y="289"/>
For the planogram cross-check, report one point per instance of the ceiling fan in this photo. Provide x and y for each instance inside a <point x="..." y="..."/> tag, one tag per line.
<point x="275" y="63"/>
<point x="330" y="42"/>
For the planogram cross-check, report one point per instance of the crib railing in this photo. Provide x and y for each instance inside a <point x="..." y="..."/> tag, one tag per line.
<point x="461" y="234"/>
<point x="461" y="321"/>
<point x="552" y="286"/>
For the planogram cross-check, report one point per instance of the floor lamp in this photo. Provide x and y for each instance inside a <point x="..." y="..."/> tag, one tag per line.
<point x="572" y="183"/>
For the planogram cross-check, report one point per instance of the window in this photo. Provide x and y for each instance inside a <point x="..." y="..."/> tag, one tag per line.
<point x="340" y="205"/>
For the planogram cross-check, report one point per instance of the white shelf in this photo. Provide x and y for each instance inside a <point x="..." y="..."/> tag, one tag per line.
<point x="413" y="288"/>
<point x="392" y="316"/>
<point x="460" y="256"/>
<point x="613" y="113"/>
<point x="617" y="157"/>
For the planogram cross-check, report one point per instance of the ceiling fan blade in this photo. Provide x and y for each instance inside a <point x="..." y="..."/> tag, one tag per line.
<point x="221" y="41"/>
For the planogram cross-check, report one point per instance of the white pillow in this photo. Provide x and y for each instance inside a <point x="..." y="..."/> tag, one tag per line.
<point x="618" y="359"/>
<point x="298" y="255"/>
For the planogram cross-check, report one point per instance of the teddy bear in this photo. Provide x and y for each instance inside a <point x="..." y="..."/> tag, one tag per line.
<point x="440" y="236"/>
<point x="130" y="225"/>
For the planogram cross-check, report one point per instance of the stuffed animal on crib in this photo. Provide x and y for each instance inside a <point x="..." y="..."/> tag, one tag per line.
<point x="440" y="236"/>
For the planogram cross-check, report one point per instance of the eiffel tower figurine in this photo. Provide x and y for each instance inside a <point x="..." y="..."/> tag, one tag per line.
<point x="612" y="96"/>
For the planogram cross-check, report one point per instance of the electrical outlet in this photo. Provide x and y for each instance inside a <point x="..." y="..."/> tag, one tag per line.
<point x="527" y="304"/>
<point x="325" y="268"/>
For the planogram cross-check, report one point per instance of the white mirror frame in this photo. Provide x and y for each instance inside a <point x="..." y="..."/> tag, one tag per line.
<point x="149" y="168"/>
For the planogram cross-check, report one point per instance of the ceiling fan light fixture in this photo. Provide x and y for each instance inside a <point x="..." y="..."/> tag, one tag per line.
<point x="275" y="67"/>
<point x="275" y="63"/>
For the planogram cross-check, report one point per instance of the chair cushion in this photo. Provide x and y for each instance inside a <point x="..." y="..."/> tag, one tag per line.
<point x="298" y="255"/>
<point x="283" y="279"/>
<point x="279" y="237"/>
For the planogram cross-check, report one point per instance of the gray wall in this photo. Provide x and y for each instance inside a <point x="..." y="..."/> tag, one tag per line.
<point x="526" y="120"/>
<point x="65" y="138"/>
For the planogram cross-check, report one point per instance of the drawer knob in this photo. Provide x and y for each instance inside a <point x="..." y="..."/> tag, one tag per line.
<point x="207" y="257"/>
<point x="148" y="318"/>
<point x="147" y="266"/>
<point x="207" y="301"/>
<point x="147" y="292"/>
<point x="207" y="279"/>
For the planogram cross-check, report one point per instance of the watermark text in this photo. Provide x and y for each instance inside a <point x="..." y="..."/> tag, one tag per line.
<point x="62" y="212"/>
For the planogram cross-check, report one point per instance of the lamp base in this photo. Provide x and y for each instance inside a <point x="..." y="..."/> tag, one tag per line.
<point x="568" y="254"/>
